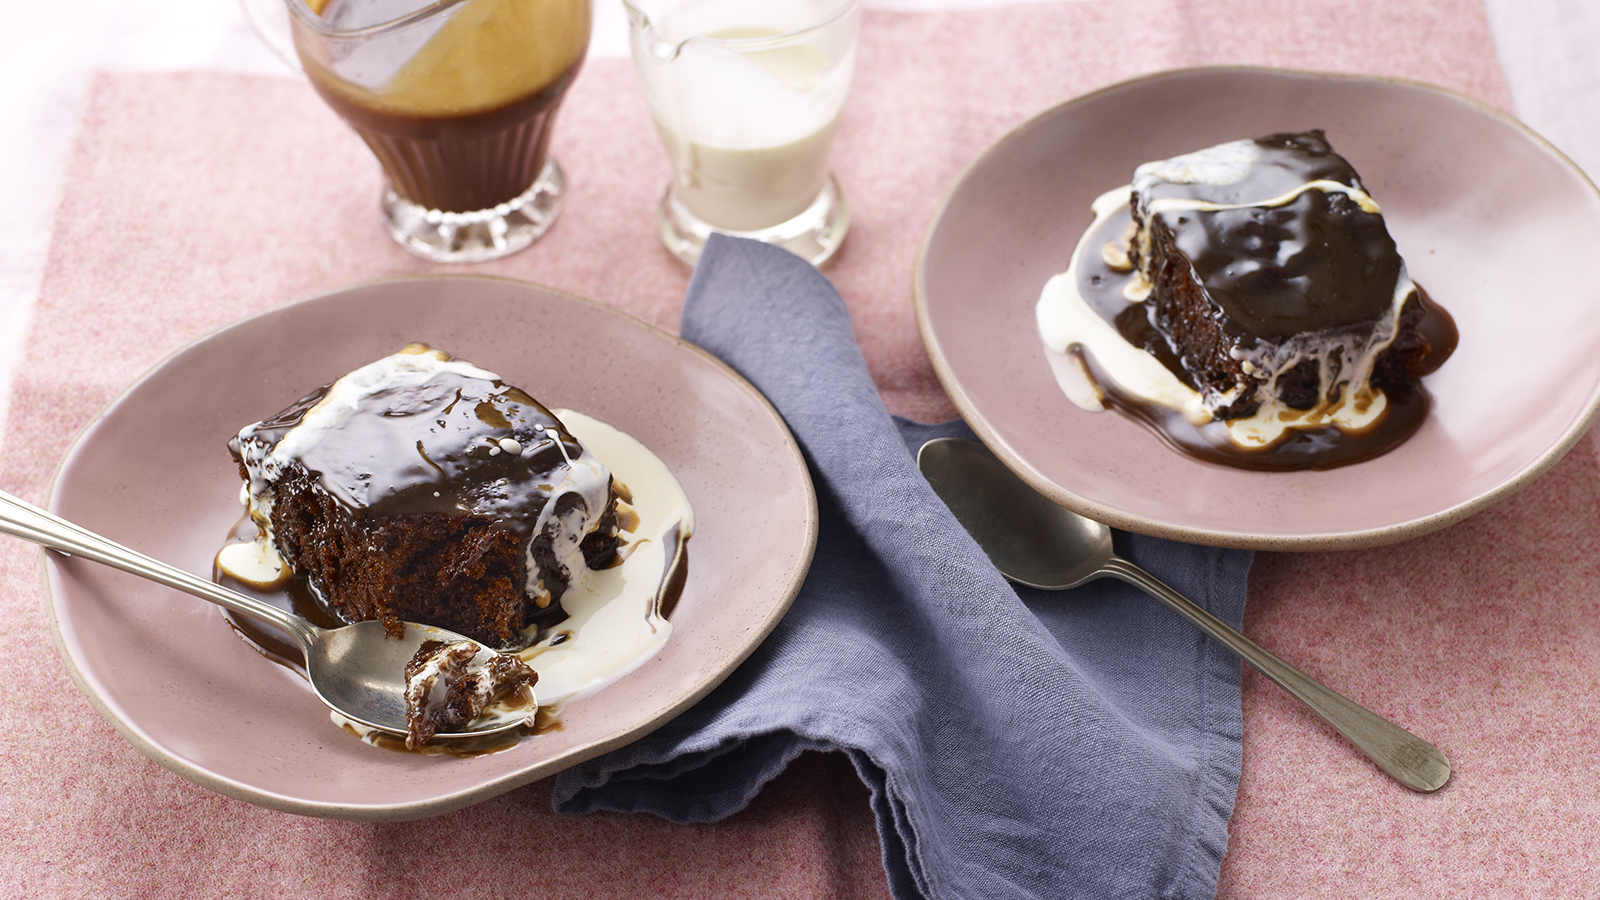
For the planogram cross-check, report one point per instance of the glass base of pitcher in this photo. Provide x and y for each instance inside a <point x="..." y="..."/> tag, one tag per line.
<point x="456" y="237"/>
<point x="814" y="235"/>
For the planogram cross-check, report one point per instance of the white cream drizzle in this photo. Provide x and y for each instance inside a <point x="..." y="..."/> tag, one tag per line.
<point x="615" y="623"/>
<point x="1223" y="165"/>
<point x="257" y="563"/>
<point x="1327" y="186"/>
<point x="1220" y="165"/>
<point x="587" y="477"/>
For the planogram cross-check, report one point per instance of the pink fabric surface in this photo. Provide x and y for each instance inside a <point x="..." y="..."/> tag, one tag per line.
<point x="194" y="199"/>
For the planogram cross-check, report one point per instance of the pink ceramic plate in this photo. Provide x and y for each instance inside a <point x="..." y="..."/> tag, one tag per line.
<point x="154" y="473"/>
<point x="1489" y="217"/>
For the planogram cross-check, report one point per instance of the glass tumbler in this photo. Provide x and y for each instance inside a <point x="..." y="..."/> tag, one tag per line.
<point x="456" y="99"/>
<point x="746" y="96"/>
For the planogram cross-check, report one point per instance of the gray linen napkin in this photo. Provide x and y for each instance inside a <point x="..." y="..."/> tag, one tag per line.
<point x="1017" y="743"/>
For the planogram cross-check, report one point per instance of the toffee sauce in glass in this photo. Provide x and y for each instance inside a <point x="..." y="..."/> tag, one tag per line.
<point x="458" y="163"/>
<point x="487" y="142"/>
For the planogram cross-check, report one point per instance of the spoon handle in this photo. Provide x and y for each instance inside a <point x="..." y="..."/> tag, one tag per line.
<point x="22" y="519"/>
<point x="1412" y="761"/>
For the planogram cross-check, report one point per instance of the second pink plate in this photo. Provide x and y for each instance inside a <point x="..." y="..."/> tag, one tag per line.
<point x="1489" y="217"/>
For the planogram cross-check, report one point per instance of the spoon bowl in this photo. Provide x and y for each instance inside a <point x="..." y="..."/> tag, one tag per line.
<point x="1032" y="540"/>
<point x="357" y="670"/>
<point x="1035" y="542"/>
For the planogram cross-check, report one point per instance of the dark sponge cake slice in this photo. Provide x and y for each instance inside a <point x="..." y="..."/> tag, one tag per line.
<point x="447" y="687"/>
<point x="1272" y="276"/>
<point x="420" y="488"/>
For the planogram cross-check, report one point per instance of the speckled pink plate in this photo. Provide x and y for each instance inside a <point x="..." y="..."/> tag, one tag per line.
<point x="1491" y="219"/>
<point x="154" y="473"/>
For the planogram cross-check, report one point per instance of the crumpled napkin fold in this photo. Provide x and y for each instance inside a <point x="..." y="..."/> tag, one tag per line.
<point x="1017" y="743"/>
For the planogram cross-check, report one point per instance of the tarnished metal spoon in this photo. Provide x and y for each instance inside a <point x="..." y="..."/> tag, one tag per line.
<point x="357" y="670"/>
<point x="1036" y="542"/>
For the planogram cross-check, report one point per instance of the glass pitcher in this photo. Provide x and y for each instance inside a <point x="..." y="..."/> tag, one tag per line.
<point x="746" y="96"/>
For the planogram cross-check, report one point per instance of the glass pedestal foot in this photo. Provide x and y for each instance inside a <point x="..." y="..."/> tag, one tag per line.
<point x="814" y="235"/>
<point x="468" y="237"/>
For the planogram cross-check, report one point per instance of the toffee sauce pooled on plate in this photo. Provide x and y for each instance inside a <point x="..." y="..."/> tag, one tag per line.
<point x="1260" y="318"/>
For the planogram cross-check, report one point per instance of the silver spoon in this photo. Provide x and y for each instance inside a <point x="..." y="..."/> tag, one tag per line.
<point x="1036" y="542"/>
<point x="356" y="670"/>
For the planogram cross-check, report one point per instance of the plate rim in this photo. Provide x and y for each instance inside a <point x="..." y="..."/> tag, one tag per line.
<point x="1351" y="540"/>
<point x="51" y="574"/>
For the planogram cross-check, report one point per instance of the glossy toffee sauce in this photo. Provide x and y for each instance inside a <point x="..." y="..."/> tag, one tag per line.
<point x="455" y="442"/>
<point x="1289" y="251"/>
<point x="418" y="433"/>
<point x="1321" y="448"/>
<point x="465" y="124"/>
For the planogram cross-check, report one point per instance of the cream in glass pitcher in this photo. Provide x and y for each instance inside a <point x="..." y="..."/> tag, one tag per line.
<point x="746" y="96"/>
<point x="456" y="99"/>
